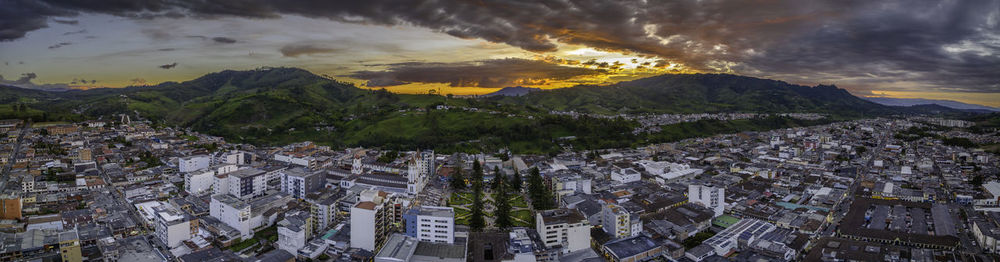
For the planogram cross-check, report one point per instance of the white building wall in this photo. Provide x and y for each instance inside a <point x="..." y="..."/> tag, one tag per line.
<point x="197" y="182"/>
<point x="291" y="241"/>
<point x="363" y="228"/>
<point x="193" y="163"/>
<point x="436" y="229"/>
<point x="713" y="198"/>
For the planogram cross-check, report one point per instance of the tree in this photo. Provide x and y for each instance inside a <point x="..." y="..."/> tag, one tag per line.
<point x="477" y="176"/>
<point x="457" y="180"/>
<point x="498" y="179"/>
<point x="502" y="212"/>
<point x="476" y="220"/>
<point x="515" y="181"/>
<point x="976" y="181"/>
<point x="541" y="198"/>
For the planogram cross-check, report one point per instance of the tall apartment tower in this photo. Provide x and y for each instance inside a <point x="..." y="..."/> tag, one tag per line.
<point x="712" y="197"/>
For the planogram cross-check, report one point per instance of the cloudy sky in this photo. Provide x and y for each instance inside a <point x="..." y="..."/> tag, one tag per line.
<point x="901" y="48"/>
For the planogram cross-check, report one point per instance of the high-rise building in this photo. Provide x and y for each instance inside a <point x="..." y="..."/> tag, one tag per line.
<point x="566" y="228"/>
<point x="323" y="205"/>
<point x="712" y="197"/>
<point x="619" y="222"/>
<point x="299" y="182"/>
<point x="371" y="221"/>
<point x="431" y="223"/>
<point x="247" y="183"/>
<point x="173" y="226"/>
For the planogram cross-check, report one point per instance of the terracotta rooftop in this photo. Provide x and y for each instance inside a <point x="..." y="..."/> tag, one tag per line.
<point x="366" y="205"/>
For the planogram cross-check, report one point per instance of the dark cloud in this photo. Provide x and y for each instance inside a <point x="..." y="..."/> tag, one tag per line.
<point x="944" y="45"/>
<point x="168" y="66"/>
<point x="223" y="40"/>
<point x="60" y="45"/>
<point x="81" y="31"/>
<point x="66" y="21"/>
<point x="295" y="50"/>
<point x="25" y="81"/>
<point x="484" y="73"/>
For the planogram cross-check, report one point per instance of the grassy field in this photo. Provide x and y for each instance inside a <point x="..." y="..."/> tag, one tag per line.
<point x="270" y="234"/>
<point x="524" y="215"/>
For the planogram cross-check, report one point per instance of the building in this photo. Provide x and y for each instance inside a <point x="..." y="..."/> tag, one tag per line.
<point x="371" y="221"/>
<point x="563" y="228"/>
<point x="712" y="197"/>
<point x="10" y="206"/>
<point x="193" y="163"/>
<point x="69" y="246"/>
<point x="986" y="230"/>
<point x="619" y="222"/>
<point x="298" y="182"/>
<point x="246" y="183"/>
<point x="431" y="224"/>
<point x="294" y="231"/>
<point x="400" y="248"/>
<point x="632" y="249"/>
<point x="198" y="182"/>
<point x="419" y="168"/>
<point x="173" y="226"/>
<point x="245" y="216"/>
<point x="625" y="175"/>
<point x="746" y="231"/>
<point x="323" y="205"/>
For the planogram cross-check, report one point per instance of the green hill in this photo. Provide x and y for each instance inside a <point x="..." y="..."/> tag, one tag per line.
<point x="283" y="105"/>
<point x="700" y="93"/>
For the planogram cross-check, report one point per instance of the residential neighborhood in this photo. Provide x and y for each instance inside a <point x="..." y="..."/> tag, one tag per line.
<point x="884" y="189"/>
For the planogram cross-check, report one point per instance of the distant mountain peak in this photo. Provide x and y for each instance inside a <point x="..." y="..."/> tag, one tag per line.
<point x="513" y="91"/>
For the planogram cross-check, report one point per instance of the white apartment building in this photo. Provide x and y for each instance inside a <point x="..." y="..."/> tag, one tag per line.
<point x="193" y="163"/>
<point x="245" y="216"/>
<point x="294" y="231"/>
<point x="200" y="181"/>
<point x="371" y="221"/>
<point x="203" y="180"/>
<point x="173" y="226"/>
<point x="431" y="224"/>
<point x="625" y="175"/>
<point x="713" y="198"/>
<point x="305" y="161"/>
<point x="567" y="228"/>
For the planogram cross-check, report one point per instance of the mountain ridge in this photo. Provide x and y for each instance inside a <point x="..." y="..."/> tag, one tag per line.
<point x="282" y="105"/>
<point x="891" y="101"/>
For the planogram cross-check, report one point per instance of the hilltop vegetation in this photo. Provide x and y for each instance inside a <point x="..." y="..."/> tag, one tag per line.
<point x="283" y="105"/>
<point x="703" y="93"/>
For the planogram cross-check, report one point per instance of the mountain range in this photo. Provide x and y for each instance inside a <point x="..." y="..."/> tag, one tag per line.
<point x="889" y="101"/>
<point x="280" y="105"/>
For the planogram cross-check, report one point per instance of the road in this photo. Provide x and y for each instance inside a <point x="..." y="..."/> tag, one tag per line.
<point x="147" y="232"/>
<point x="13" y="156"/>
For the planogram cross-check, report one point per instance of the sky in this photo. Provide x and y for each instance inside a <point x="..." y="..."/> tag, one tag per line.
<point x="936" y="49"/>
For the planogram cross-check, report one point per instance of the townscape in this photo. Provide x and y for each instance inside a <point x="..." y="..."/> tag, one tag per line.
<point x="884" y="189"/>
